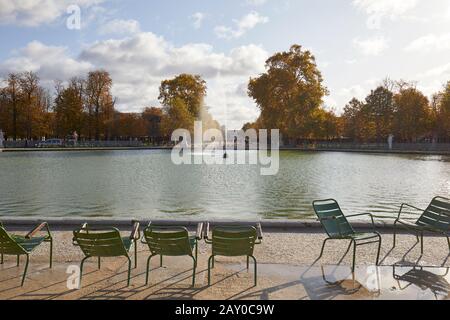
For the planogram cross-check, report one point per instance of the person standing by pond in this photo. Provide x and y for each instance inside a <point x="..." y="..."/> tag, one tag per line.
<point x="2" y="137"/>
<point x="390" y="141"/>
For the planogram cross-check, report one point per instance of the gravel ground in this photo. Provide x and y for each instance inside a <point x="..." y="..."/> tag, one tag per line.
<point x="286" y="270"/>
<point x="301" y="249"/>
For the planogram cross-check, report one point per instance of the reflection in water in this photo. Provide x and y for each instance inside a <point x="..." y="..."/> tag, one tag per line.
<point x="146" y="184"/>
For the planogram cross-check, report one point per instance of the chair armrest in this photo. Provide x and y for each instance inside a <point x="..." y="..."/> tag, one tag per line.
<point x="143" y="240"/>
<point x="206" y="234"/>
<point x="33" y="232"/>
<point x="199" y="232"/>
<point x="84" y="228"/>
<point x="259" y="232"/>
<point x="409" y="206"/>
<point x="364" y="214"/>
<point x="135" y="232"/>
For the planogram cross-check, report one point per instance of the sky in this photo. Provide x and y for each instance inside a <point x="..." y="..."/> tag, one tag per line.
<point x="357" y="44"/>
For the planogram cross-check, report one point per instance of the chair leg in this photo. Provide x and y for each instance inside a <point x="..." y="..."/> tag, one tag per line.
<point x="323" y="247"/>
<point x="51" y="253"/>
<point x="2" y="257"/>
<point x="25" y="271"/>
<point x="135" y="253"/>
<point x="148" y="267"/>
<point x="379" y="250"/>
<point x="193" y="272"/>
<point x="421" y="242"/>
<point x="448" y="241"/>
<point x="99" y="263"/>
<point x="248" y="260"/>
<point x="354" y="256"/>
<point x="209" y="269"/>
<point x="256" y="270"/>
<point x="196" y="253"/>
<point x="395" y="234"/>
<point x="213" y="261"/>
<point x="81" y="269"/>
<point x="18" y="260"/>
<point x="161" y="261"/>
<point x="129" y="271"/>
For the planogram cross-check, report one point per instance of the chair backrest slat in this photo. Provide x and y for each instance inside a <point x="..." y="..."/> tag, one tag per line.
<point x="233" y="241"/>
<point x="100" y="243"/>
<point x="168" y="241"/>
<point x="437" y="215"/>
<point x="8" y="245"/>
<point x="332" y="218"/>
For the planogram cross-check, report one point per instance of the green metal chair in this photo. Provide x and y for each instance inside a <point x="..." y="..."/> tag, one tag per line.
<point x="172" y="242"/>
<point x="106" y="242"/>
<point x="11" y="244"/>
<point x="435" y="219"/>
<point x="337" y="227"/>
<point x="233" y="241"/>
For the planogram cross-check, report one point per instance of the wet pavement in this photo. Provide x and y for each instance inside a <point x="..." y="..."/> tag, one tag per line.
<point x="230" y="280"/>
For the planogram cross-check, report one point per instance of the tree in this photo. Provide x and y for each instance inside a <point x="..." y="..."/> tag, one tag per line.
<point x="29" y="83"/>
<point x="191" y="89"/>
<point x="12" y="93"/>
<point x="128" y="125"/>
<point x="324" y="124"/>
<point x="380" y="109"/>
<point x="289" y="92"/>
<point x="178" y="117"/>
<point x="69" y="104"/>
<point x="412" y="114"/>
<point x="357" y="121"/>
<point x="152" y="118"/>
<point x="100" y="103"/>
<point x="443" y="113"/>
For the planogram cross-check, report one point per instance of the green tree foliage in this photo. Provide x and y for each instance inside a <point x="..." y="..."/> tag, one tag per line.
<point x="355" y="120"/>
<point x="153" y="118"/>
<point x="412" y="115"/>
<point x="403" y="111"/>
<point x="443" y="113"/>
<point x="24" y="106"/>
<point x="69" y="107"/>
<point x="191" y="89"/>
<point x="183" y="103"/>
<point x="379" y="108"/>
<point x="100" y="103"/>
<point x="178" y="116"/>
<point x="289" y="93"/>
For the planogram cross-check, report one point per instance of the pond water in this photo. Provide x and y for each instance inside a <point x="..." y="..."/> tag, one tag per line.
<point x="145" y="184"/>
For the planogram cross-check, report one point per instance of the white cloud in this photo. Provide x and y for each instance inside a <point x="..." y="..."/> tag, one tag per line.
<point x="442" y="71"/>
<point x="356" y="91"/>
<point x="119" y="27"/>
<point x="431" y="42"/>
<point x="50" y="62"/>
<point x="139" y="63"/>
<point x="377" y="10"/>
<point x="255" y="2"/>
<point x="197" y="19"/>
<point x="32" y="13"/>
<point x="372" y="46"/>
<point x="243" y="25"/>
